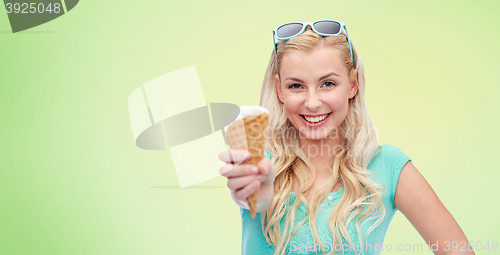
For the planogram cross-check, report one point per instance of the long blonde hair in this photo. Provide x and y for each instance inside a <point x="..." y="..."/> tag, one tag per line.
<point x="350" y="161"/>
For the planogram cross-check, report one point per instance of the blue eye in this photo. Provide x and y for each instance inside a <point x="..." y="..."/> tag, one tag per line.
<point x="294" y="86"/>
<point x="329" y="84"/>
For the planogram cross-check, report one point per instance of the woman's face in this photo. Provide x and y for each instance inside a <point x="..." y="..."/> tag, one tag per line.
<point x="315" y="89"/>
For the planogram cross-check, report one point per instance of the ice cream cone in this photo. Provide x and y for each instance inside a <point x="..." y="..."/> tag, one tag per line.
<point x="247" y="133"/>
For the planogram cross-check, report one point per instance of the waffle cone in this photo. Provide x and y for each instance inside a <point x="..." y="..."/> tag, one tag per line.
<point x="248" y="134"/>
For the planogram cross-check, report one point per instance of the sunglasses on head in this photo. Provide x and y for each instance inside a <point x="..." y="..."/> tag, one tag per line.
<point x="321" y="27"/>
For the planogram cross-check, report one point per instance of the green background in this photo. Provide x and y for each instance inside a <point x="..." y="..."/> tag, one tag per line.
<point x="73" y="181"/>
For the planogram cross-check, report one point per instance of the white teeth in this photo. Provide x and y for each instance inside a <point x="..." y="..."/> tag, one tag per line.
<point x="315" y="119"/>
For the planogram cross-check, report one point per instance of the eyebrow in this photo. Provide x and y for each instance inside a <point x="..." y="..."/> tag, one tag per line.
<point x="323" y="77"/>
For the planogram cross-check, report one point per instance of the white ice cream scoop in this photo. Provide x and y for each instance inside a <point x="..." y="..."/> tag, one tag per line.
<point x="250" y="110"/>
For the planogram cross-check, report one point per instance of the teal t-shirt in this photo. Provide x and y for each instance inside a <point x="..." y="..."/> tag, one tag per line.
<point x="386" y="165"/>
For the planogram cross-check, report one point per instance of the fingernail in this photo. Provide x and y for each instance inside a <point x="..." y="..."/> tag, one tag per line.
<point x="260" y="177"/>
<point x="255" y="170"/>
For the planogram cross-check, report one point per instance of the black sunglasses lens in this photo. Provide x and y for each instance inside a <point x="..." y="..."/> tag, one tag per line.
<point x="289" y="30"/>
<point x="327" y="27"/>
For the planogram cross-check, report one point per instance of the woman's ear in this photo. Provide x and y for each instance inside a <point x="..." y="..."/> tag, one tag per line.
<point x="278" y="87"/>
<point x="354" y="85"/>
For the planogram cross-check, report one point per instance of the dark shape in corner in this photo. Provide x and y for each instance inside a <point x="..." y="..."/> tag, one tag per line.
<point x="70" y="4"/>
<point x="25" y="14"/>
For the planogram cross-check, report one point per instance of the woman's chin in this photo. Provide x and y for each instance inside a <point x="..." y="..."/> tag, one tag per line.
<point x="314" y="135"/>
<point x="321" y="134"/>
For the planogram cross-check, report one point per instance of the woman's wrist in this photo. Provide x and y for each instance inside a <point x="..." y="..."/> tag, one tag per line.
<point x="262" y="205"/>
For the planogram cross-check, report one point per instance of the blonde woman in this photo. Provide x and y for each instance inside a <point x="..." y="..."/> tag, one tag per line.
<point x="325" y="185"/>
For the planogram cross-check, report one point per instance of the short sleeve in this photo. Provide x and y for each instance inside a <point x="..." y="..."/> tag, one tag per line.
<point x="396" y="160"/>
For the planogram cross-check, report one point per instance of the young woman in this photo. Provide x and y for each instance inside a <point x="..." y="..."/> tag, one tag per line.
<point x="325" y="185"/>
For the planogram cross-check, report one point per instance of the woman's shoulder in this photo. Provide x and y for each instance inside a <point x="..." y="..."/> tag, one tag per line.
<point x="393" y="154"/>
<point x="389" y="160"/>
<point x="388" y="153"/>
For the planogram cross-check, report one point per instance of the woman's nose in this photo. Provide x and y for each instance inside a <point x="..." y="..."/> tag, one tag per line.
<point x="313" y="102"/>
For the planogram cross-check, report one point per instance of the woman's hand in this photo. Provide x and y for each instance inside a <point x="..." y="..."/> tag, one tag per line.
<point x="244" y="179"/>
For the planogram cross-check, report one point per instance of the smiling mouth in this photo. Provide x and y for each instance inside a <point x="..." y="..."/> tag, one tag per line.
<point x="317" y="119"/>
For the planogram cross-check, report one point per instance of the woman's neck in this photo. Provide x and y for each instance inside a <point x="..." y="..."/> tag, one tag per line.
<point x="320" y="151"/>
